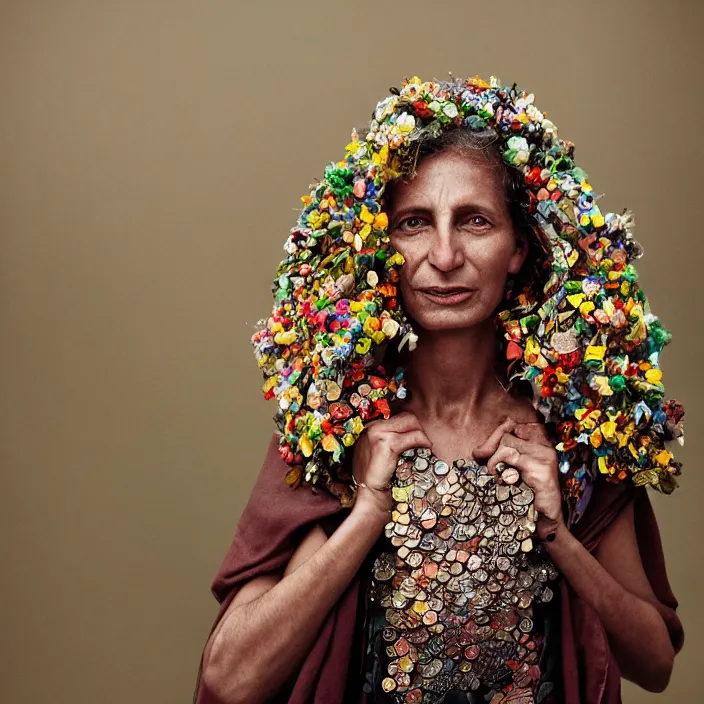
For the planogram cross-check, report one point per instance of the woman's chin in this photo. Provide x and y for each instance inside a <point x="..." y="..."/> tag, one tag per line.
<point x="449" y="320"/>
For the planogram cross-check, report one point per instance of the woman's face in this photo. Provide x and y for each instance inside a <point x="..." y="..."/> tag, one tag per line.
<point x="452" y="225"/>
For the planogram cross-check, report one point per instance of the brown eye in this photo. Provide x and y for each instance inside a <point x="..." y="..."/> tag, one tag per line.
<point x="410" y="223"/>
<point x="478" y="221"/>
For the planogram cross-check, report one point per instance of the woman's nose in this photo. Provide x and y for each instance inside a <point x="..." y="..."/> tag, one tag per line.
<point x="445" y="251"/>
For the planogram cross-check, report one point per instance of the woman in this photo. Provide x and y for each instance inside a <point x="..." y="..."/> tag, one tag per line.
<point x="497" y="544"/>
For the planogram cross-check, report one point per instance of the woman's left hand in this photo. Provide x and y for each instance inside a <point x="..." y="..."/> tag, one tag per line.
<point x="527" y="447"/>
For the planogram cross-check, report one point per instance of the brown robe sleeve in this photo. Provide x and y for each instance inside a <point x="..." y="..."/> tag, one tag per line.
<point x="274" y="521"/>
<point x="590" y="671"/>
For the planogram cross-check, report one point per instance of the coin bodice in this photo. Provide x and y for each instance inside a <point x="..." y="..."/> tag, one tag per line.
<point x="454" y="588"/>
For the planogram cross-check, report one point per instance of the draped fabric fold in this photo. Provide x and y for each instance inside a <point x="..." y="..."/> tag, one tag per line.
<point x="590" y="671"/>
<point x="276" y="518"/>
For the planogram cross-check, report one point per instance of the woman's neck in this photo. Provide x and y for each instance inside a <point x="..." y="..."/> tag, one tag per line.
<point x="452" y="375"/>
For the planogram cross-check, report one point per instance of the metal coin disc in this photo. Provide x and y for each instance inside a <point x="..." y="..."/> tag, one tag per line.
<point x="459" y="561"/>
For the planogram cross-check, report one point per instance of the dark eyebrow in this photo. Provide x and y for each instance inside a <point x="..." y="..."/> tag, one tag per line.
<point x="460" y="211"/>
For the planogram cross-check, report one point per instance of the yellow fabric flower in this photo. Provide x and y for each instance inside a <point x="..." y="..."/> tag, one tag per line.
<point x="270" y="383"/>
<point x="608" y="430"/>
<point x="596" y="438"/>
<point x="330" y="444"/>
<point x="285" y="338"/>
<point x="365" y="215"/>
<point x="532" y="350"/>
<point x="654" y="376"/>
<point x="382" y="156"/>
<point x="363" y="345"/>
<point x="663" y="457"/>
<point x="353" y="146"/>
<point x="316" y="219"/>
<point x="595" y="352"/>
<point x="381" y="221"/>
<point x="371" y="325"/>
<point x="587" y="418"/>
<point x="602" y="385"/>
<point x="305" y="445"/>
<point x="586" y="308"/>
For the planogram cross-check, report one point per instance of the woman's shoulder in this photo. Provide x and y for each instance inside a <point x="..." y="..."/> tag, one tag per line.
<point x="520" y="407"/>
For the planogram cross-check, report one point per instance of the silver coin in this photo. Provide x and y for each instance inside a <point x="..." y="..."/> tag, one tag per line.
<point x="441" y="468"/>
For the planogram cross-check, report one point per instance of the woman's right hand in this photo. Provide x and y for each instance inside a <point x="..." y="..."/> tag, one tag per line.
<point x="376" y="456"/>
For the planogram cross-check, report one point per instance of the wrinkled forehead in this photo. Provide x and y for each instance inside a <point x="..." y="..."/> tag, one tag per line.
<point x="449" y="179"/>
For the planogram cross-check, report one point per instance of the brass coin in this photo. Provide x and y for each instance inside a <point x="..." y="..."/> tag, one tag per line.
<point x="430" y="617"/>
<point x="388" y="684"/>
<point x="526" y="625"/>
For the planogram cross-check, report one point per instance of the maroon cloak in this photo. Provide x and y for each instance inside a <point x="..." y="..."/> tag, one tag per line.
<point x="276" y="518"/>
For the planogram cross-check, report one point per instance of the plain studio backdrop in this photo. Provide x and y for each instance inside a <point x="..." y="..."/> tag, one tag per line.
<point x="152" y="158"/>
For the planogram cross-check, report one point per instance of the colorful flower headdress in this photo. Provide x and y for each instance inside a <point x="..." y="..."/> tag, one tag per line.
<point x="588" y="344"/>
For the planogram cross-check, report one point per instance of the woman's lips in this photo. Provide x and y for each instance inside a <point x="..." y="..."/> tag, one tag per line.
<point x="448" y="297"/>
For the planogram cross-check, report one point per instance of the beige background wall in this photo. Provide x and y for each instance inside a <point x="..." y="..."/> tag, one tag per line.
<point x="152" y="156"/>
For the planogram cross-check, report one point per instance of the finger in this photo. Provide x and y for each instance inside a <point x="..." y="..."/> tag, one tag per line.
<point x="525" y="447"/>
<point x="526" y="464"/>
<point x="371" y="423"/>
<point x="535" y="432"/>
<point x="489" y="446"/>
<point x="406" y="441"/>
<point x="507" y="455"/>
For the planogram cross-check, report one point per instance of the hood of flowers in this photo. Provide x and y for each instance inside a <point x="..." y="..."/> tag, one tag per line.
<point x="588" y="344"/>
